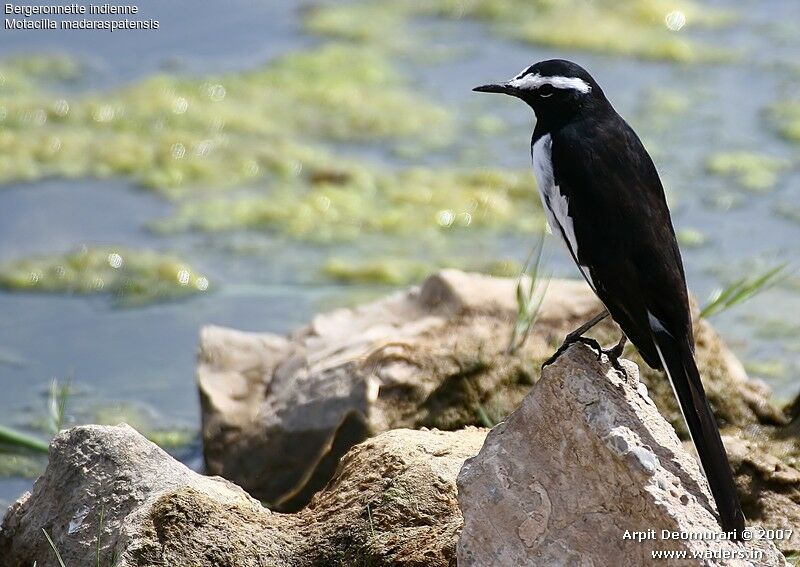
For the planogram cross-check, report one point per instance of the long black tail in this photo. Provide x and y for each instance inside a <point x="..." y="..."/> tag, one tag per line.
<point x="678" y="360"/>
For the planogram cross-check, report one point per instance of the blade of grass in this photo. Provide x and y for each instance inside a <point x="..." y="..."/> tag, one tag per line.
<point x="741" y="290"/>
<point x="57" y="404"/>
<point x="483" y="417"/>
<point x="18" y="440"/>
<point x="53" y="546"/>
<point x="371" y="525"/>
<point x="528" y="301"/>
<point x="100" y="534"/>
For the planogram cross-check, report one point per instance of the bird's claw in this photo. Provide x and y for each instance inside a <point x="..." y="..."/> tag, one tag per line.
<point x="613" y="354"/>
<point x="570" y="340"/>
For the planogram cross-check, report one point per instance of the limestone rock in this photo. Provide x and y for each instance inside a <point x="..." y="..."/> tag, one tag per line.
<point x="279" y="412"/>
<point x="585" y="458"/>
<point x="391" y="503"/>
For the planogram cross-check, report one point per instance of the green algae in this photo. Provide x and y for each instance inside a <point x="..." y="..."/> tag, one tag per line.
<point x="171" y="438"/>
<point x="750" y="170"/>
<point x="372" y="22"/>
<point x="387" y="271"/>
<point x="667" y="101"/>
<point x="26" y="73"/>
<point x="141" y="420"/>
<point x="785" y="117"/>
<point x="131" y="276"/>
<point x="21" y="454"/>
<point x="169" y="133"/>
<point x="650" y="29"/>
<point x="270" y="131"/>
<point x="789" y="211"/>
<point x="393" y="270"/>
<point x="22" y="466"/>
<point x="346" y="202"/>
<point x="773" y="328"/>
<point x="691" y="237"/>
<point x="767" y="368"/>
<point x="658" y="109"/>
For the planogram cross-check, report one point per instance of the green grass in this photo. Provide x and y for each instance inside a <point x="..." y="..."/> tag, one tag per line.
<point x="20" y="452"/>
<point x="528" y="297"/>
<point x="57" y="405"/>
<point x="54" y="548"/>
<point x="371" y="524"/>
<point x="99" y="545"/>
<point x="12" y="440"/>
<point x="741" y="290"/>
<point x="483" y="416"/>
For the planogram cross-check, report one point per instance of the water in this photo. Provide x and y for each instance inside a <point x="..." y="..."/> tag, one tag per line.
<point x="146" y="355"/>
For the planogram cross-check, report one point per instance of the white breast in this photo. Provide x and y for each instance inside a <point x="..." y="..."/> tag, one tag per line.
<point x="554" y="203"/>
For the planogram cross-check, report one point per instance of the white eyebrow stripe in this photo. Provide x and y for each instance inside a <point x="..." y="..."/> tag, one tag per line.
<point x="534" y="81"/>
<point x="521" y="73"/>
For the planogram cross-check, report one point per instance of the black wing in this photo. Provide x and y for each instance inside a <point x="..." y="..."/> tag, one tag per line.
<point x="623" y="228"/>
<point x="625" y="239"/>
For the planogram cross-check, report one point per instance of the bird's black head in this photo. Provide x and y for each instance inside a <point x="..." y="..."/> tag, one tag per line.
<point x="556" y="89"/>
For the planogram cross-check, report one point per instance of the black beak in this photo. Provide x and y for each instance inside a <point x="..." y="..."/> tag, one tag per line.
<point x="502" y="88"/>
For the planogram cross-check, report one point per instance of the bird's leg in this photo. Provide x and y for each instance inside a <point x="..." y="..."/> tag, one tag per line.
<point x="576" y="336"/>
<point x="615" y="352"/>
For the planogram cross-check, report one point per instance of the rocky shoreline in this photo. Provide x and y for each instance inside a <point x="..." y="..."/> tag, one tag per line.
<point x="354" y="429"/>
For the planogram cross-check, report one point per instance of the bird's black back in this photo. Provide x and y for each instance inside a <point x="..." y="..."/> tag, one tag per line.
<point x="622" y="224"/>
<point x="626" y="241"/>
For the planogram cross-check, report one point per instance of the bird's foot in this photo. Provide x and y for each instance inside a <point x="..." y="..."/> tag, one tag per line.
<point x="613" y="354"/>
<point x="570" y="340"/>
<point x="576" y="337"/>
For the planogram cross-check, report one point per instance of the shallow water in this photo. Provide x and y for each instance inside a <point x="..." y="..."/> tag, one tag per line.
<point x="145" y="356"/>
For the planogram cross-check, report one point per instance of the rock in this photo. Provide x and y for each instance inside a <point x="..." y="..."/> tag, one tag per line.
<point x="585" y="458"/>
<point x="768" y="487"/>
<point x="392" y="502"/>
<point x="278" y="412"/>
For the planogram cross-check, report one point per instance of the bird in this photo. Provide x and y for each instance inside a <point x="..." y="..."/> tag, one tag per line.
<point x="603" y="197"/>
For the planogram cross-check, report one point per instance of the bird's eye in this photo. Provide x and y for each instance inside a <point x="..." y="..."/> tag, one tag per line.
<point x="545" y="91"/>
